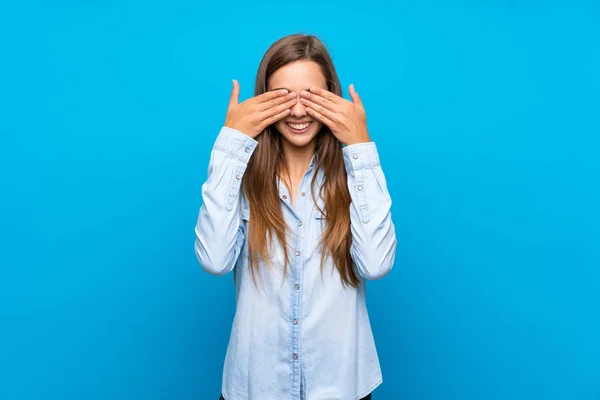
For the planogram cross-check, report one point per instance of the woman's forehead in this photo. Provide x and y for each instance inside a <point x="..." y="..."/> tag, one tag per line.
<point x="297" y="76"/>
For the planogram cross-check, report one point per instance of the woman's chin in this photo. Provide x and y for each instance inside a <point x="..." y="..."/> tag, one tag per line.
<point x="300" y="141"/>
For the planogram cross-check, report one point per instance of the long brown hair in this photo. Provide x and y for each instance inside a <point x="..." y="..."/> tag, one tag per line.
<point x="266" y="164"/>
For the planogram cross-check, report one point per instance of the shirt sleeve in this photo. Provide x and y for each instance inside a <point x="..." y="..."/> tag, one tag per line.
<point x="374" y="241"/>
<point x="219" y="228"/>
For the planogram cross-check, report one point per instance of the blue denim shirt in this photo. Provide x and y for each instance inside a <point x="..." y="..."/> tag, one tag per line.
<point x="306" y="336"/>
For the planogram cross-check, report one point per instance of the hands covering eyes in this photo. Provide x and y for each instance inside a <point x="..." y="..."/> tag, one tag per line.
<point x="346" y="119"/>
<point x="253" y="115"/>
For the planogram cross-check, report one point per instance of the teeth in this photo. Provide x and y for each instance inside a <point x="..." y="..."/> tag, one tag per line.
<point x="299" y="127"/>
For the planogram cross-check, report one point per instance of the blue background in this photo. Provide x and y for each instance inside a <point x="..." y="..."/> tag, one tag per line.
<point x="486" y="116"/>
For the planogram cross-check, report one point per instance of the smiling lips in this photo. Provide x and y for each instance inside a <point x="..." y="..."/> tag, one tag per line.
<point x="299" y="128"/>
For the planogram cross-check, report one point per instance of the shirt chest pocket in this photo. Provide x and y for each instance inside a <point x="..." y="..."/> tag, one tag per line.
<point x="319" y="219"/>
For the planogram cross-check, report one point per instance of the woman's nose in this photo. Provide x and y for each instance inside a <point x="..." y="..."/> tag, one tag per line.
<point x="298" y="109"/>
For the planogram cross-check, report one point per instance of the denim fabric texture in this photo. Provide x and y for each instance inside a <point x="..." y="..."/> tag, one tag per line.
<point x="305" y="335"/>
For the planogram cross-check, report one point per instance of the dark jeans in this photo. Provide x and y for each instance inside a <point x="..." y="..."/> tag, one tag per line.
<point x="364" y="398"/>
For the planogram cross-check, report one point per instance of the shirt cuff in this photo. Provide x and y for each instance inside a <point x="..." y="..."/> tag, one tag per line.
<point x="235" y="143"/>
<point x="360" y="156"/>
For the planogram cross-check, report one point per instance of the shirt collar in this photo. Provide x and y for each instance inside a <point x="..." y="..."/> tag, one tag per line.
<point x="313" y="160"/>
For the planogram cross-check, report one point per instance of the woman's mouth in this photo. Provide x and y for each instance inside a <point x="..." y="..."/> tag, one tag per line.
<point x="298" y="128"/>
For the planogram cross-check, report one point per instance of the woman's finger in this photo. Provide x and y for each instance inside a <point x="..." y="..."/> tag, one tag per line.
<point x="274" y="118"/>
<point x="268" y="96"/>
<point x="269" y="112"/>
<point x="321" y="101"/>
<point x="355" y="97"/>
<point x="322" y="110"/>
<point x="235" y="93"/>
<point x="320" y="117"/>
<point x="334" y="98"/>
<point x="273" y="103"/>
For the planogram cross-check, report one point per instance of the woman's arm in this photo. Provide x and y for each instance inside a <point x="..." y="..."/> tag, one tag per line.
<point x="373" y="234"/>
<point x="219" y="229"/>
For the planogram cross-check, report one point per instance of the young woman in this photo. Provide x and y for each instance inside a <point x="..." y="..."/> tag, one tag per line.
<point x="296" y="204"/>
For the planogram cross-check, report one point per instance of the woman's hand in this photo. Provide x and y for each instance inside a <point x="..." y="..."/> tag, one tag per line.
<point x="253" y="115"/>
<point x="346" y="119"/>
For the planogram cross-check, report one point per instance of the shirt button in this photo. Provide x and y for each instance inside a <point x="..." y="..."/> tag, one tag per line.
<point x="303" y="194"/>
<point x="297" y="253"/>
<point x="237" y="177"/>
<point x="296" y="286"/>
<point x="295" y="356"/>
<point x="299" y="223"/>
<point x="360" y="188"/>
<point x="295" y="321"/>
<point x="247" y="149"/>
<point x="355" y="156"/>
<point x="284" y="197"/>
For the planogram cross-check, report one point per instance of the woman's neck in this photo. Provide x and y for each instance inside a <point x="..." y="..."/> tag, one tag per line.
<point x="297" y="159"/>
